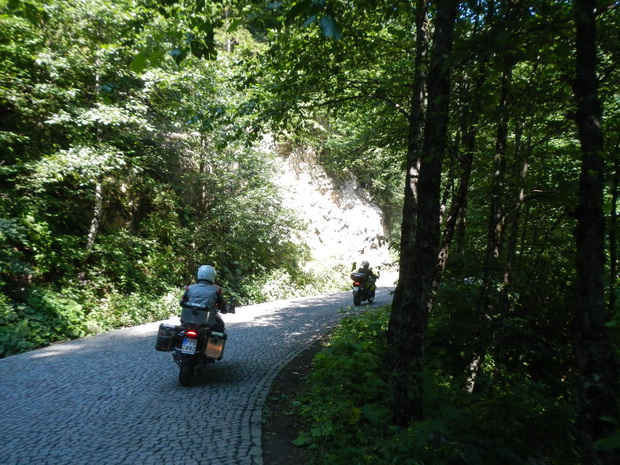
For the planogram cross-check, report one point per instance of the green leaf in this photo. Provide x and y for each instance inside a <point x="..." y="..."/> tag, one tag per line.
<point x="609" y="419"/>
<point x="309" y="21"/>
<point x="298" y="8"/>
<point x="376" y="413"/>
<point x="330" y="28"/>
<point x="138" y="64"/>
<point x="610" y="442"/>
<point x="302" y="440"/>
<point x="234" y="25"/>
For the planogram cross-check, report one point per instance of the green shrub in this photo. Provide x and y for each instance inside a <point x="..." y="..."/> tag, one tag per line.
<point x="46" y="316"/>
<point x="42" y="318"/>
<point x="134" y="309"/>
<point x="281" y="284"/>
<point x="12" y="261"/>
<point x="346" y="401"/>
<point x="346" y="408"/>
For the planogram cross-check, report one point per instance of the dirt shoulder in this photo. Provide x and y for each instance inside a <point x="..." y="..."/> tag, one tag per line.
<point x="280" y="427"/>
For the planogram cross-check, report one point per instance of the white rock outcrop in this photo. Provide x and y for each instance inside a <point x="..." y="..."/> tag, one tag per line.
<point x="344" y="225"/>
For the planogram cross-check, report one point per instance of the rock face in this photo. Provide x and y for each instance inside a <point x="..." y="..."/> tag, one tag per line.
<point x="344" y="225"/>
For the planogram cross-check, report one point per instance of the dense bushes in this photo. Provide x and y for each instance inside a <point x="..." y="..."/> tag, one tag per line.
<point x="41" y="316"/>
<point x="122" y="174"/>
<point x="346" y="407"/>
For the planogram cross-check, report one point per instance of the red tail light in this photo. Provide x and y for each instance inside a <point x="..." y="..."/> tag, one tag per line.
<point x="191" y="333"/>
<point x="356" y="283"/>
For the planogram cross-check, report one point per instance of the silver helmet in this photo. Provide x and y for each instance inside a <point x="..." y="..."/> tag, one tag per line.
<point x="206" y="273"/>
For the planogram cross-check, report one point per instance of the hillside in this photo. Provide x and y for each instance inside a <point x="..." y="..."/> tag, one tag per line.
<point x="344" y="225"/>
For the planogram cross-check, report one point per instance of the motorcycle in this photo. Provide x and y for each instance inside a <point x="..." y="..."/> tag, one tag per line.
<point x="363" y="288"/>
<point x="194" y="344"/>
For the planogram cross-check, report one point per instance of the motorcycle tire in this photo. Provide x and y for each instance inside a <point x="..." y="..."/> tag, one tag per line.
<point x="371" y="297"/>
<point x="185" y="374"/>
<point x="357" y="301"/>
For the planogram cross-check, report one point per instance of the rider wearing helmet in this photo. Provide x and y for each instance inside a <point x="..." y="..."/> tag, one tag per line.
<point x="205" y="291"/>
<point x="365" y="269"/>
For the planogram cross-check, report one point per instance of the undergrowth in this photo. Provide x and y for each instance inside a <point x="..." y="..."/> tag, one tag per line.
<point x="38" y="316"/>
<point x="346" y="408"/>
<point x="46" y="316"/>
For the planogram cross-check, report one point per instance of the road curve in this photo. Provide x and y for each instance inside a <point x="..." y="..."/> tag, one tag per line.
<point x="113" y="399"/>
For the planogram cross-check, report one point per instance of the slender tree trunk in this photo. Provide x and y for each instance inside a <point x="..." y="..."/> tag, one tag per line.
<point x="407" y="330"/>
<point x="495" y="234"/>
<point x="513" y="223"/>
<point x="613" y="236"/>
<point x="416" y="123"/>
<point x="468" y="126"/>
<point x="595" y="362"/>
<point x="470" y="115"/>
<point x="97" y="213"/>
<point x="98" y="207"/>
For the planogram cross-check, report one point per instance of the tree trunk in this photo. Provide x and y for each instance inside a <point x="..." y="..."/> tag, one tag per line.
<point x="407" y="331"/>
<point x="468" y="123"/>
<point x="595" y="362"/>
<point x="97" y="212"/>
<point x="613" y="236"/>
<point x="495" y="233"/>
<point x="416" y="120"/>
<point x="513" y="224"/>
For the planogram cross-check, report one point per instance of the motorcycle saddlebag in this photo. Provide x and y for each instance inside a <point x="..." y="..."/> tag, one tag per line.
<point x="166" y="335"/>
<point x="360" y="277"/>
<point x="214" y="347"/>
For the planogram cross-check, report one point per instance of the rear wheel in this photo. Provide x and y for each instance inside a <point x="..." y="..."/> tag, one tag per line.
<point x="357" y="301"/>
<point x="185" y="374"/>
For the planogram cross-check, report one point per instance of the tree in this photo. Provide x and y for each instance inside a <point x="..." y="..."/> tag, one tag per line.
<point x="598" y="377"/>
<point x="408" y="323"/>
<point x="508" y="170"/>
<point x="128" y="161"/>
<point x="414" y="148"/>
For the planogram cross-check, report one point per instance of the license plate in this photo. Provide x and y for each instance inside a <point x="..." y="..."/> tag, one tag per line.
<point x="189" y="346"/>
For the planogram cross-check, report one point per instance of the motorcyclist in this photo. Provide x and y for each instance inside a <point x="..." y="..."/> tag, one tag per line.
<point x="370" y="275"/>
<point x="204" y="291"/>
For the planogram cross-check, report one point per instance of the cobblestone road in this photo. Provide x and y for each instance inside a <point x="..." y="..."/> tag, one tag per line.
<point x="113" y="399"/>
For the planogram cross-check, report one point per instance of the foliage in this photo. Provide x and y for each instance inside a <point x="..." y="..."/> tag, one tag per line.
<point x="347" y="413"/>
<point x="316" y="92"/>
<point x="129" y="162"/>
<point x="44" y="316"/>
<point x="280" y="284"/>
<point x="345" y="393"/>
<point x="507" y="202"/>
<point x="11" y="258"/>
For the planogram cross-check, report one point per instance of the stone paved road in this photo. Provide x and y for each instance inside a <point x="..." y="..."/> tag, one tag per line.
<point x="113" y="399"/>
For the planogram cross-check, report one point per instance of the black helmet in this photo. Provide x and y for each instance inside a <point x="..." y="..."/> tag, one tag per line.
<point x="365" y="264"/>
